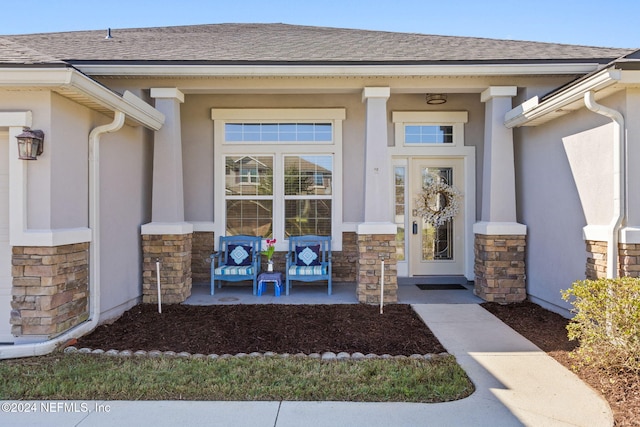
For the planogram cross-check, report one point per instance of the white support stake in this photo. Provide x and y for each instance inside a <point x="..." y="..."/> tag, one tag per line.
<point x="381" y="286"/>
<point x="158" y="280"/>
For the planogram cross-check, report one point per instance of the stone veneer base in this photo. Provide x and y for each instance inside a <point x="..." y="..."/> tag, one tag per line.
<point x="174" y="253"/>
<point x="50" y="289"/>
<point x="500" y="268"/>
<point x="628" y="260"/>
<point x="372" y="249"/>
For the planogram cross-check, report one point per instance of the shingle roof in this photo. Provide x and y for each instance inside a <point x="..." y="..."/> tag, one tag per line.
<point x="14" y="53"/>
<point x="282" y="43"/>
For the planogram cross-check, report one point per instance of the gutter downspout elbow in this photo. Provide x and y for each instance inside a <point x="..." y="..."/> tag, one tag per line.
<point x="619" y="180"/>
<point x="46" y="347"/>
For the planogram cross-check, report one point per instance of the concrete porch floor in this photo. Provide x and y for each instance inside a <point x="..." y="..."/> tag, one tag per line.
<point x="343" y="293"/>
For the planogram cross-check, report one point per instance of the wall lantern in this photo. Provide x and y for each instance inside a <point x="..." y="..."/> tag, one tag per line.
<point x="30" y="144"/>
<point x="435" y="98"/>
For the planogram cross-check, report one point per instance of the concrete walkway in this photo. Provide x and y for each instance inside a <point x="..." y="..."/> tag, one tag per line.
<point x="516" y="384"/>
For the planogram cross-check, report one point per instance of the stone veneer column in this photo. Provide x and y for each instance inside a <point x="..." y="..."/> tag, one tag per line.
<point x="596" y="259"/>
<point x="372" y="249"/>
<point x="500" y="268"/>
<point x="168" y="238"/>
<point x="377" y="235"/>
<point x="500" y="242"/>
<point x="174" y="253"/>
<point x="628" y="260"/>
<point x="50" y="289"/>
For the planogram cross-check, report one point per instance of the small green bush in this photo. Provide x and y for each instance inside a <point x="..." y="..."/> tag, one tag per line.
<point x="606" y="322"/>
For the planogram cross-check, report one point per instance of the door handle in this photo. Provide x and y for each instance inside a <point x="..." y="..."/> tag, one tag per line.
<point x="415" y="227"/>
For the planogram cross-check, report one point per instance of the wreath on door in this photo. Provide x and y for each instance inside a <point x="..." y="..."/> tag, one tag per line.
<point x="438" y="203"/>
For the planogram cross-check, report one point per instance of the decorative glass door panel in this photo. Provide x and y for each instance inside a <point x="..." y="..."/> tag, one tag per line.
<point x="436" y="245"/>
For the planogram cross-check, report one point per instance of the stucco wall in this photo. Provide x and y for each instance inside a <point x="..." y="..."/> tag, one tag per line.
<point x="126" y="160"/>
<point x="67" y="144"/>
<point x="563" y="178"/>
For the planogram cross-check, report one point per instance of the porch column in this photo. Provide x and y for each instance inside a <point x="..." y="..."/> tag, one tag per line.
<point x="168" y="238"/>
<point x="500" y="242"/>
<point x="377" y="234"/>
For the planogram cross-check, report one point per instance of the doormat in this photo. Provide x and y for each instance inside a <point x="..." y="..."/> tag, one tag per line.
<point x="443" y="287"/>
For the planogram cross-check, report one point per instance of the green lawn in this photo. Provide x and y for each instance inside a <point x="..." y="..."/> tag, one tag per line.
<point x="80" y="376"/>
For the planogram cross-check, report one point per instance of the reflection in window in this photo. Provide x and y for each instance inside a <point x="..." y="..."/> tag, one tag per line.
<point x="305" y="175"/>
<point x="400" y="182"/>
<point x="249" y="175"/>
<point x="249" y="195"/>
<point x="307" y="189"/>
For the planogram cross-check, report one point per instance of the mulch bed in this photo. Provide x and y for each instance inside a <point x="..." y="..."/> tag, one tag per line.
<point x="351" y="328"/>
<point x="232" y="329"/>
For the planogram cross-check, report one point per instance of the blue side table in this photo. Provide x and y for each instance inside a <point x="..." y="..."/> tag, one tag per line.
<point x="273" y="277"/>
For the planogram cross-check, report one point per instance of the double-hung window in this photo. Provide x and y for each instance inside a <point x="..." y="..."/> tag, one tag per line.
<point x="278" y="172"/>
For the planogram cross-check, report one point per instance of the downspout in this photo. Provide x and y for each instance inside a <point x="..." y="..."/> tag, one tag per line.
<point x="619" y="160"/>
<point x="46" y="347"/>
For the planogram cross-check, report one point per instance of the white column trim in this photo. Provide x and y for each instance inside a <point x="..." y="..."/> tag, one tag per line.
<point x="498" y="91"/>
<point x="375" y="92"/>
<point x="163" y="228"/>
<point x="376" y="228"/>
<point x="499" y="228"/>
<point x="168" y="93"/>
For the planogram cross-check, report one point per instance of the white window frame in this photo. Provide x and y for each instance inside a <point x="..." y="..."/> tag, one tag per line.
<point x="456" y="119"/>
<point x="221" y="116"/>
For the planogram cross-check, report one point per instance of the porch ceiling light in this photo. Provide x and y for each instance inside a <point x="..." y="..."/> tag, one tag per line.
<point x="30" y="144"/>
<point x="436" y="98"/>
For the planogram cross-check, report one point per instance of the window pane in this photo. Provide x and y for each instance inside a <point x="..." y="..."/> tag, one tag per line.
<point x="307" y="217"/>
<point x="251" y="217"/>
<point x="278" y="132"/>
<point x="400" y="179"/>
<point x="306" y="175"/>
<point x="249" y="176"/>
<point x="415" y="134"/>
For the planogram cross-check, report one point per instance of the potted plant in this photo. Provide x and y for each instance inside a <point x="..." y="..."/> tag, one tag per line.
<point x="271" y="248"/>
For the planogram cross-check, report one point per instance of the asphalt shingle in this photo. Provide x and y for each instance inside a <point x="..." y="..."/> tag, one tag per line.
<point x="282" y="43"/>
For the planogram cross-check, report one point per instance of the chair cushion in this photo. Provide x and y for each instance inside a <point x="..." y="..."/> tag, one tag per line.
<point x="239" y="254"/>
<point x="307" y="256"/>
<point x="316" y="270"/>
<point x="234" y="271"/>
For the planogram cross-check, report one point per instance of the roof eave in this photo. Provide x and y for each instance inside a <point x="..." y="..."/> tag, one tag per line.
<point x="533" y="111"/>
<point x="71" y="83"/>
<point x="332" y="70"/>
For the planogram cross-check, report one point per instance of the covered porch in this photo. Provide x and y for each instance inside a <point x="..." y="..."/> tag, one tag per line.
<point x="441" y="291"/>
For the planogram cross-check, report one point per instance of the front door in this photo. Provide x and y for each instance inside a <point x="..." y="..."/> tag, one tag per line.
<point x="436" y="249"/>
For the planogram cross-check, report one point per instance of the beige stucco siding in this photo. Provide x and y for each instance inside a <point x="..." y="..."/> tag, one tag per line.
<point x="67" y="144"/>
<point x="564" y="183"/>
<point x="126" y="159"/>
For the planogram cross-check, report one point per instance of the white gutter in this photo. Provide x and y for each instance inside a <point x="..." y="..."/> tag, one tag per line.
<point x="619" y="159"/>
<point x="351" y="70"/>
<point x="532" y="111"/>
<point x="46" y="347"/>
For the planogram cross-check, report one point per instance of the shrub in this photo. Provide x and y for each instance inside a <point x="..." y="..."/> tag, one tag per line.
<point x="606" y="322"/>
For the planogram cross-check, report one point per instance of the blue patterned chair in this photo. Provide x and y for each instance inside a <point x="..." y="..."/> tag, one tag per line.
<point x="237" y="259"/>
<point x="309" y="260"/>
